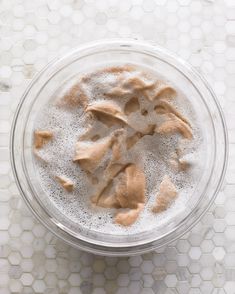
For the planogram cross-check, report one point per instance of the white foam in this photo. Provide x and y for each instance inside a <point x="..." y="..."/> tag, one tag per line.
<point x="151" y="152"/>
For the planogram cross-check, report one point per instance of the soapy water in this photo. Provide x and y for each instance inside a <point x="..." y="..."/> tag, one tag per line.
<point x="152" y="153"/>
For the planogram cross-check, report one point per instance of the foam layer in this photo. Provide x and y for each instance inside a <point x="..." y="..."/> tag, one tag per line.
<point x="151" y="152"/>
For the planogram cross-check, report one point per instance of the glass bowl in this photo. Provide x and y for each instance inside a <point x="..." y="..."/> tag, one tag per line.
<point x="45" y="84"/>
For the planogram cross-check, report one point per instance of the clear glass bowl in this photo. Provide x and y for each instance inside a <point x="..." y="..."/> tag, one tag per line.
<point x="45" y="84"/>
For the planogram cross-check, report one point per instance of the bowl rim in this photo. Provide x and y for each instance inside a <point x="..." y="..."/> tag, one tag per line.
<point x="131" y="249"/>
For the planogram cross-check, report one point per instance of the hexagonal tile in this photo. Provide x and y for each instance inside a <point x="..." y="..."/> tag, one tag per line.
<point x="182" y="274"/>
<point x="87" y="259"/>
<point x="98" y="280"/>
<point x="194" y="291"/>
<point x="39" y="230"/>
<point x="148" y="281"/>
<point x="27" y="223"/>
<point x="171" y="267"/>
<point x="15" y="286"/>
<point x="183" y="287"/>
<point x="62" y="247"/>
<point x="219" y="225"/>
<point x="195" y="253"/>
<point x="26" y="279"/>
<point x="26" y="251"/>
<point x="230" y="233"/>
<point x="219" y="253"/>
<point x="219" y="239"/>
<point x="123" y="266"/>
<point x="39" y="244"/>
<point x="219" y="280"/>
<point x="196" y="281"/>
<point x="15" y="230"/>
<point x="207" y="246"/>
<point x="73" y="290"/>
<point x="4" y="239"/>
<point x="135" y="261"/>
<point x="50" y="280"/>
<point x="50" y="251"/>
<point x="86" y="272"/>
<point x="27" y="237"/>
<point x="195" y="239"/>
<point x="170" y="280"/>
<point x="229" y="287"/>
<point x="123" y="280"/>
<point x="206" y="273"/>
<point x="207" y="260"/>
<point x="75" y="266"/>
<point x="27" y="265"/>
<point x="111" y="273"/>
<point x="182" y="246"/>
<point x="230" y="218"/>
<point x="194" y="267"/>
<point x="159" y="260"/>
<point x="159" y="287"/>
<point x="183" y="260"/>
<point x="39" y="286"/>
<point x="4" y="280"/>
<point x="110" y="286"/>
<point x="207" y="287"/>
<point x="111" y="261"/>
<point x="4" y="224"/>
<point x="170" y="253"/>
<point x="135" y="274"/>
<point x="159" y="273"/>
<point x="14" y="258"/>
<point x="62" y="270"/>
<point x="147" y="267"/>
<point x="147" y="291"/>
<point x="135" y="286"/>
<point x="15" y="272"/>
<point x="99" y="291"/>
<point x="122" y="290"/>
<point x="74" y="279"/>
<point x="51" y="265"/>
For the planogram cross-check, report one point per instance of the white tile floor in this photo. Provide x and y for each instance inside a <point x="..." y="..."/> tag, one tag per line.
<point x="31" y="34"/>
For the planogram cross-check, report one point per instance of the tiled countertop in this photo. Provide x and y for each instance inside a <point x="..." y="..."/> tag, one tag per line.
<point x="32" y="33"/>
